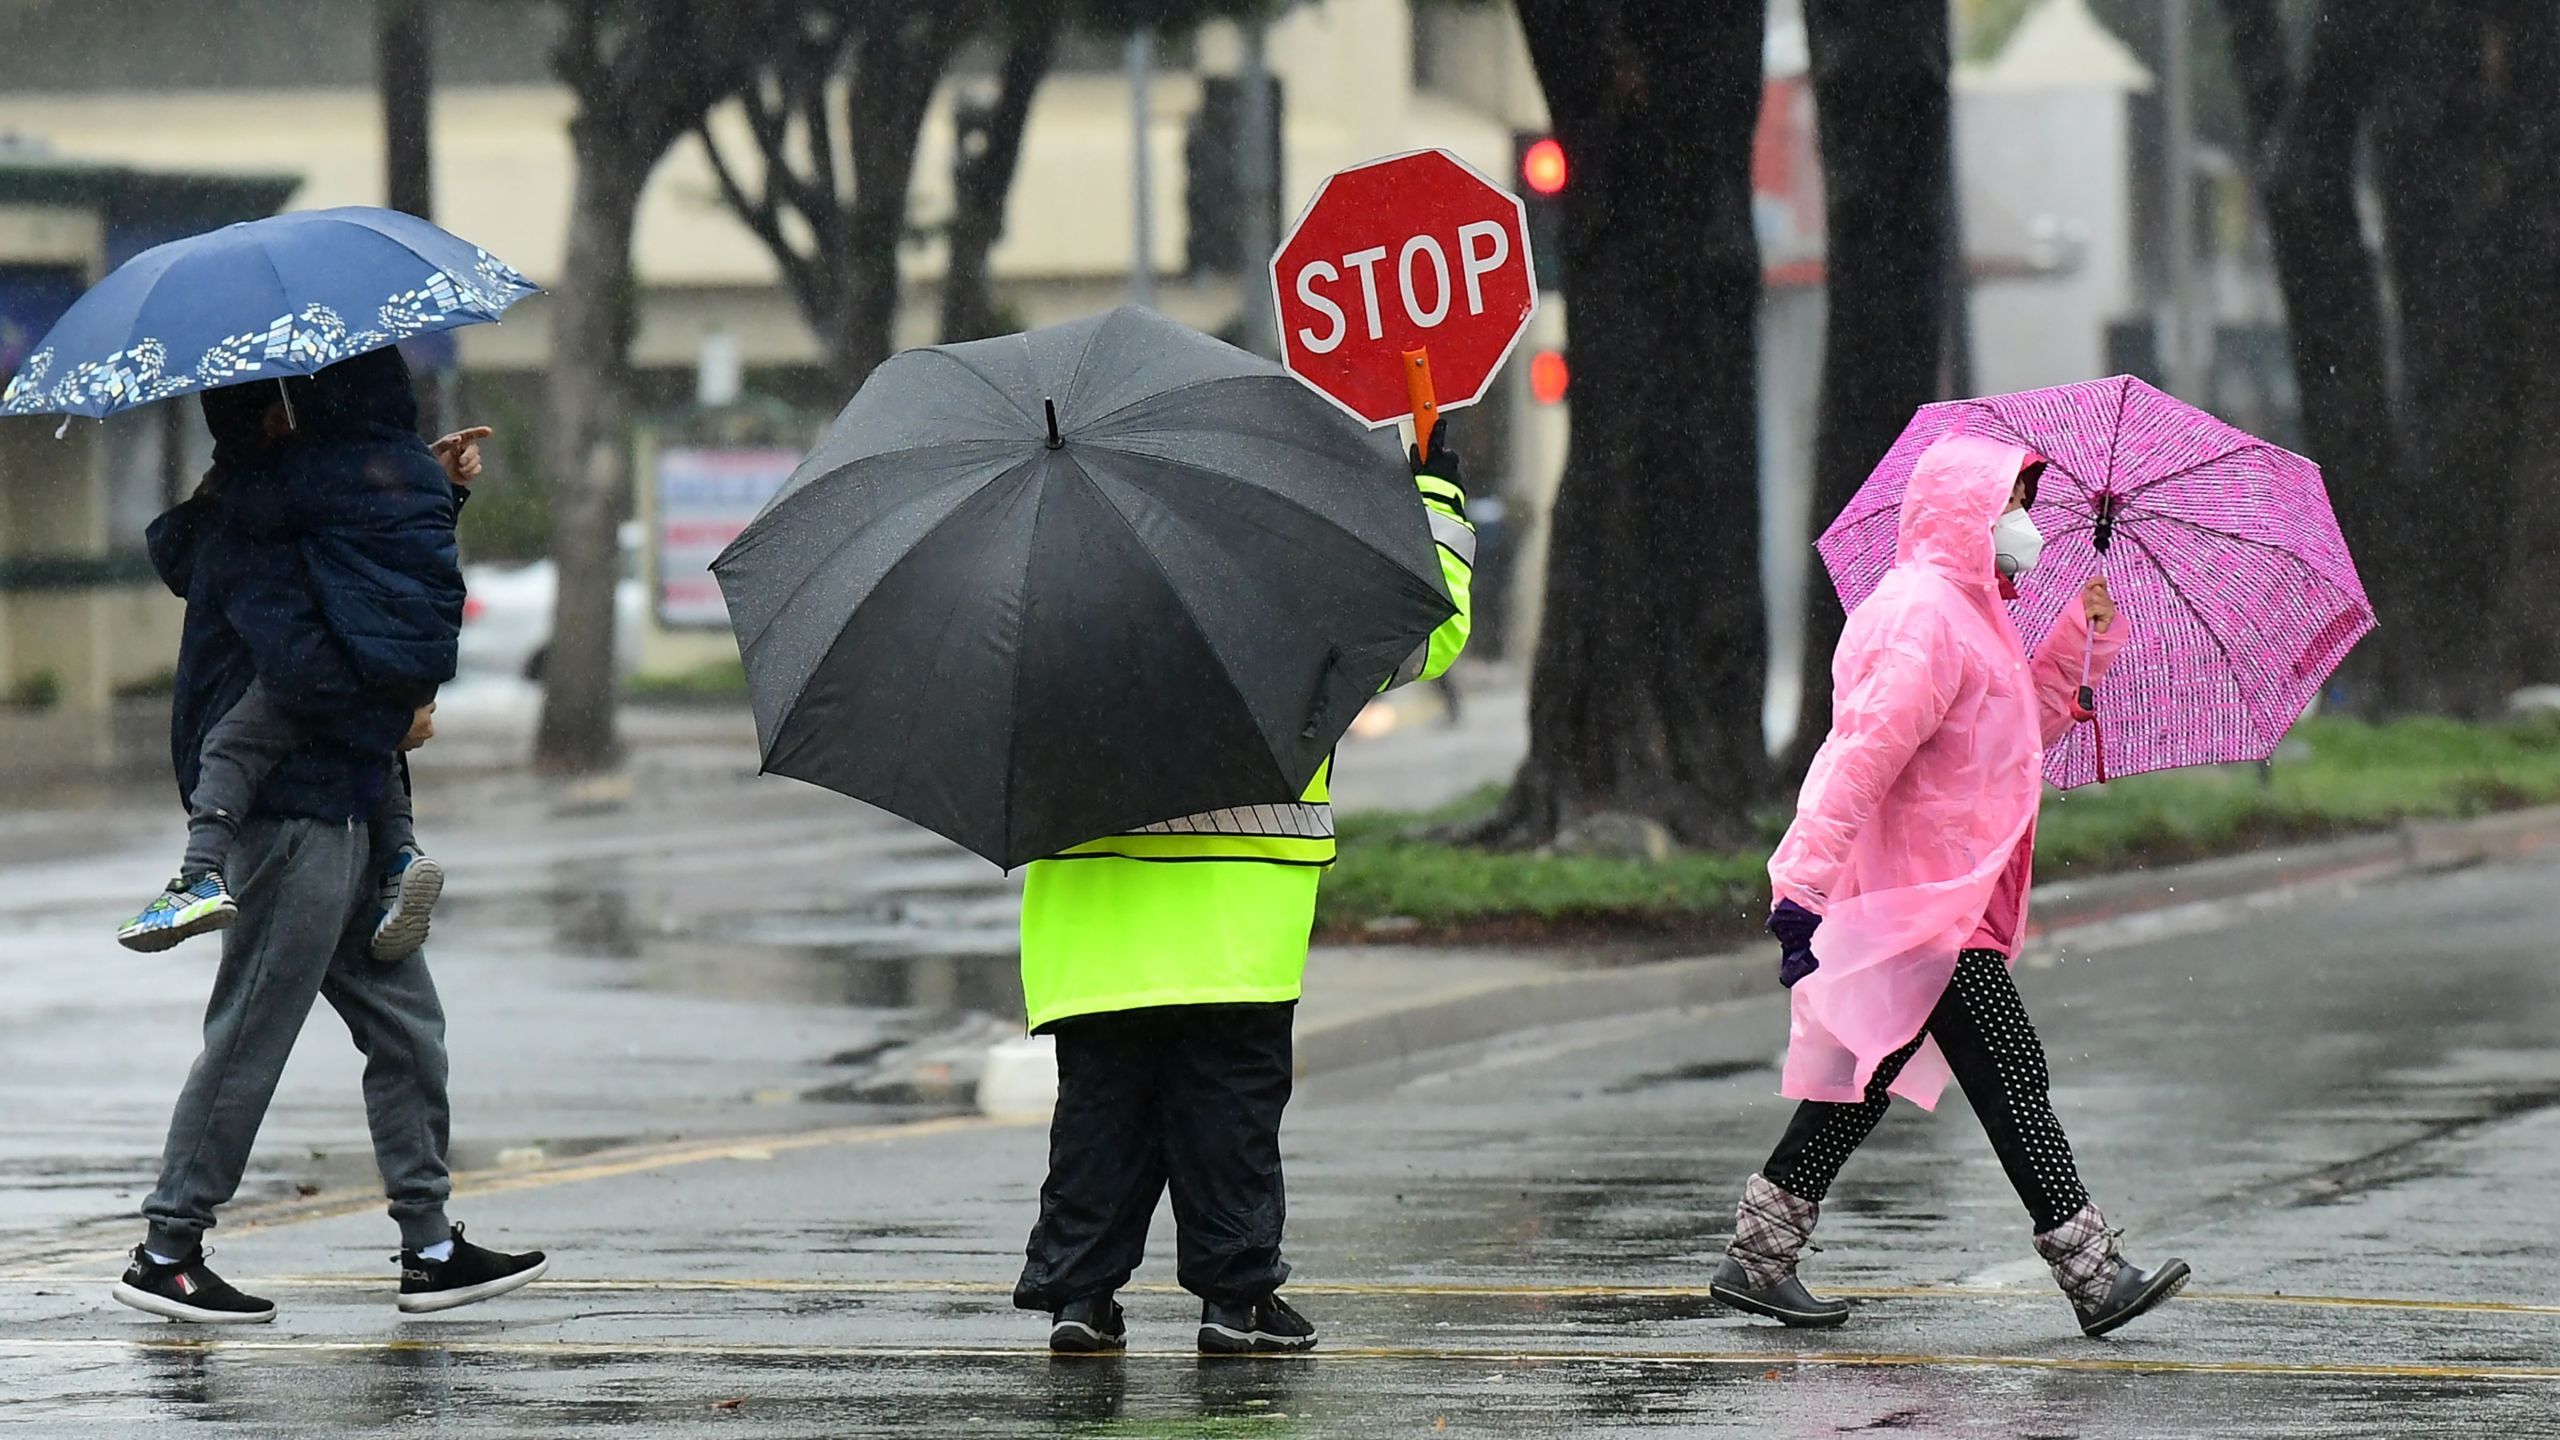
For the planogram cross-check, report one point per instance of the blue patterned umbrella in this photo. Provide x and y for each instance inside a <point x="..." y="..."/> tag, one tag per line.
<point x="260" y="300"/>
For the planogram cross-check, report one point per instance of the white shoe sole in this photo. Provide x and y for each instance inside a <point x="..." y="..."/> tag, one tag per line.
<point x="1219" y="1340"/>
<point x="412" y="911"/>
<point x="1074" y="1337"/>
<point x="168" y="1309"/>
<point x="435" y="1300"/>
<point x="152" y="942"/>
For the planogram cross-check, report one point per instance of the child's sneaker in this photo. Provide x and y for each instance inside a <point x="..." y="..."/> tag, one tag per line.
<point x="186" y="909"/>
<point x="409" y="894"/>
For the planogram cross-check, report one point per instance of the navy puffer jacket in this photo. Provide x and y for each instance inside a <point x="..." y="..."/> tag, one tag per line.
<point x="369" y="508"/>
<point x="323" y="565"/>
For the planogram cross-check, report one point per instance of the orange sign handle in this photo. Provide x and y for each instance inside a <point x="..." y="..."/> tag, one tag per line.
<point x="1426" y="402"/>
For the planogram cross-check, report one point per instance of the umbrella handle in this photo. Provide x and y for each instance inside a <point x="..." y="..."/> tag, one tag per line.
<point x="1426" y="401"/>
<point x="2084" y="705"/>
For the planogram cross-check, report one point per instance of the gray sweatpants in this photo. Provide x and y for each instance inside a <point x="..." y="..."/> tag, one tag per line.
<point x="306" y="895"/>
<point x="235" y="758"/>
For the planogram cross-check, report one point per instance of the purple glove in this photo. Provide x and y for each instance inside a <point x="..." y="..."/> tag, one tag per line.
<point x="1793" y="925"/>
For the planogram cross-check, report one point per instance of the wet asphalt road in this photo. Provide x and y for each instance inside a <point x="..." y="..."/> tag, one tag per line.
<point x="2345" y="1113"/>
<point x="681" y="949"/>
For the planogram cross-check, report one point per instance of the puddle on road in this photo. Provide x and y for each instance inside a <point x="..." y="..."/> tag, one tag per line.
<point x="932" y="969"/>
<point x="937" y="947"/>
<point x="856" y="973"/>
<point x="1705" y="1070"/>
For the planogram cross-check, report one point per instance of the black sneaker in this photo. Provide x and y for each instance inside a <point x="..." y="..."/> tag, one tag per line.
<point x="1088" y="1327"/>
<point x="188" y="1291"/>
<point x="1267" y="1326"/>
<point x="466" y="1277"/>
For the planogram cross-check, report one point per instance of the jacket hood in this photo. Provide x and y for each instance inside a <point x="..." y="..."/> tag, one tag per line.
<point x="1956" y="495"/>
<point x="236" y="417"/>
<point x="367" y="398"/>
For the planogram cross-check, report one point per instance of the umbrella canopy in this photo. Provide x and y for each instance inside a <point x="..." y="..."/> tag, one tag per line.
<point x="2221" y="551"/>
<point x="260" y="300"/>
<point x="1033" y="590"/>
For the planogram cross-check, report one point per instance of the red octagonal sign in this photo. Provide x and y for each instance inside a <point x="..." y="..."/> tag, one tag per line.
<point x="1416" y="251"/>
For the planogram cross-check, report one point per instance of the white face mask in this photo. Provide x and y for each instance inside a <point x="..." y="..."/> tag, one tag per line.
<point x="2017" y="543"/>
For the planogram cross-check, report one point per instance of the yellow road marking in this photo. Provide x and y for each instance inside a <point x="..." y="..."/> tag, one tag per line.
<point x="1389" y="1354"/>
<point x="53" y="1259"/>
<point x="714" y="1285"/>
<point x="631" y="1160"/>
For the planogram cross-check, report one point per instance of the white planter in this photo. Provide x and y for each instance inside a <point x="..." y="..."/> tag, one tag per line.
<point x="1021" y="1078"/>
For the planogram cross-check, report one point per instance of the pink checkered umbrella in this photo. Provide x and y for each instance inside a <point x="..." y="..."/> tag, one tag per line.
<point x="2220" y="549"/>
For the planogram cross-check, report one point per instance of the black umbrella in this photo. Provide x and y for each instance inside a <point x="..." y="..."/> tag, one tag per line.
<point x="1038" y="589"/>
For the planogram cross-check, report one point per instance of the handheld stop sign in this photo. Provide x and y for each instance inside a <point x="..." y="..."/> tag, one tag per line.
<point x="1402" y="288"/>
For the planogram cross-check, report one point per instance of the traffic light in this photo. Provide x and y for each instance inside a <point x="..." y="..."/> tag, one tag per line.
<point x="1542" y="171"/>
<point x="1549" y="377"/>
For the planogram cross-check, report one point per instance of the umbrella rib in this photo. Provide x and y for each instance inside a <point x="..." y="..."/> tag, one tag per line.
<point x="1075" y="372"/>
<point x="2115" y="434"/>
<point x="782" y="726"/>
<point x="810" y="576"/>
<point x="1184" y="465"/>
<point x="1167" y="393"/>
<point x="2156" y="481"/>
<point x="2178" y="593"/>
<point x="1022" y="640"/>
<point x="1139" y="542"/>
<point x="284" y="292"/>
<point x="946" y="353"/>
<point x="2266" y="545"/>
<point x="2078" y="481"/>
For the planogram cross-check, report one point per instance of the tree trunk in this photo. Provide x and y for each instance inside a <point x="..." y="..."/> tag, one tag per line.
<point x="2530" y="607"/>
<point x="644" y="72"/>
<point x="404" y="74"/>
<point x="982" y="179"/>
<point x="1880" y="101"/>
<point x="2303" y="132"/>
<point x="589" y="448"/>
<point x="2529" y="612"/>
<point x="898" y="63"/>
<point x="1646" y="691"/>
<point x="404" y="59"/>
<point x="2446" y="206"/>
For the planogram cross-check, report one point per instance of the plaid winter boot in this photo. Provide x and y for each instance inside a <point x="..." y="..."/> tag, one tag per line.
<point x="1770" y="1230"/>
<point x="2104" y="1289"/>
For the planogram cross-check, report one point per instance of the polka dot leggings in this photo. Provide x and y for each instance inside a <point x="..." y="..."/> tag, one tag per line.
<point x="1982" y="1028"/>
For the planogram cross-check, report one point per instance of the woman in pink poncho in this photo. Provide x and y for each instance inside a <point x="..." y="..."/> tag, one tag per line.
<point x="1901" y="889"/>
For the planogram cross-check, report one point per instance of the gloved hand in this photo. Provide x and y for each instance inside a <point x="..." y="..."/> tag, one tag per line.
<point x="1793" y="925"/>
<point x="1442" y="462"/>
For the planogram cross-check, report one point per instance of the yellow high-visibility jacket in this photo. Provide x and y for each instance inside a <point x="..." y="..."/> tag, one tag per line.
<point x="1210" y="909"/>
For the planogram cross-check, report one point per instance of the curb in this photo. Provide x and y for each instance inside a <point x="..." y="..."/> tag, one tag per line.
<point x="1401" y="1035"/>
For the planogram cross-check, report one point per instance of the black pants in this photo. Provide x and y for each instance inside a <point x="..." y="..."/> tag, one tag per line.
<point x="1982" y="1028"/>
<point x="1189" y="1095"/>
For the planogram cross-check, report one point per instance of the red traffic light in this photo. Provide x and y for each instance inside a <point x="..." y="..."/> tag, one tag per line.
<point x="1549" y="376"/>
<point x="1542" y="167"/>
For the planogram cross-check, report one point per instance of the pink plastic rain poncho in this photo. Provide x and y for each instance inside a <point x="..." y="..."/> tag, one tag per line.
<point x="1929" y="782"/>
